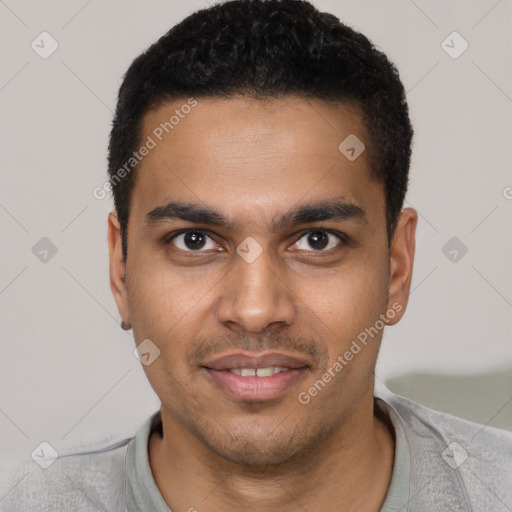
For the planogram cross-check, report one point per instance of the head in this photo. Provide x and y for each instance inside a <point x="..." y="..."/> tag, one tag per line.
<point x="279" y="139"/>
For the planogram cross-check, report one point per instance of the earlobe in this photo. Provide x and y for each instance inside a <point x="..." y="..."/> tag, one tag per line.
<point x="117" y="267"/>
<point x="401" y="262"/>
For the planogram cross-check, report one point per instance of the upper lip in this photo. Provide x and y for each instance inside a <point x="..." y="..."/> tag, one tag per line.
<point x="253" y="360"/>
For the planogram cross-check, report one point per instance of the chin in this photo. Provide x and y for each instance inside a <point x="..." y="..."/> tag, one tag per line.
<point x="256" y="454"/>
<point x="258" y="451"/>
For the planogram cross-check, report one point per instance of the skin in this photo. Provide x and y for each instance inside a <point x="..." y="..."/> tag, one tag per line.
<point x="253" y="161"/>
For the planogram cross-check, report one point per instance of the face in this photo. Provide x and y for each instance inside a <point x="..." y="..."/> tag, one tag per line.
<point x="257" y="256"/>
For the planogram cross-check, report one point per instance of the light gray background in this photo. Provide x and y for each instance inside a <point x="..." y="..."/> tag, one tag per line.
<point x="67" y="371"/>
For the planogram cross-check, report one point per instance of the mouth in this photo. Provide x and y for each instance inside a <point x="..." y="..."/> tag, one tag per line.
<point x="259" y="372"/>
<point x="254" y="377"/>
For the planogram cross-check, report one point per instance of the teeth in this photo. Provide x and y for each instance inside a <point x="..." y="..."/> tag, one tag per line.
<point x="265" y="372"/>
<point x="259" y="372"/>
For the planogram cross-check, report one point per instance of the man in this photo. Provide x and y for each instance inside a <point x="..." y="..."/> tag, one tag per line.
<point x="259" y="161"/>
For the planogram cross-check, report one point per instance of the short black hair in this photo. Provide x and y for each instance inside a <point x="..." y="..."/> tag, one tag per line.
<point x="266" y="49"/>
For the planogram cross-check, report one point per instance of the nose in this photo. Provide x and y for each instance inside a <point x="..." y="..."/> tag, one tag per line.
<point x="255" y="295"/>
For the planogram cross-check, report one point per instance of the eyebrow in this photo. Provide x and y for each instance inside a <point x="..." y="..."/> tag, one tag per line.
<point x="338" y="209"/>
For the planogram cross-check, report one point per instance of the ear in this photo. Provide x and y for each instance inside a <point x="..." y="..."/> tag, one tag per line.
<point x="401" y="263"/>
<point x="117" y="267"/>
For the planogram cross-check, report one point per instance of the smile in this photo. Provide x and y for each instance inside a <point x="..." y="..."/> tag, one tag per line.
<point x="252" y="376"/>
<point x="258" y="372"/>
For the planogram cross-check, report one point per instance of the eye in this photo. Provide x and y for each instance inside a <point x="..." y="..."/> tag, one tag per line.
<point x="192" y="241"/>
<point x="319" y="240"/>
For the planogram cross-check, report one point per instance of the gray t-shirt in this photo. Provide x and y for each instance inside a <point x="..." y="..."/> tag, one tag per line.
<point x="442" y="463"/>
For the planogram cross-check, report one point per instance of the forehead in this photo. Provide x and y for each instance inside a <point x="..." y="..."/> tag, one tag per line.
<point x="252" y="155"/>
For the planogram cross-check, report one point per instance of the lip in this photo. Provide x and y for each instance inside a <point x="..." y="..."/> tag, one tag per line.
<point x="255" y="389"/>
<point x="252" y="360"/>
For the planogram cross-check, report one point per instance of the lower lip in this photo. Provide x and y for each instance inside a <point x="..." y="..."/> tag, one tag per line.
<point x="255" y="388"/>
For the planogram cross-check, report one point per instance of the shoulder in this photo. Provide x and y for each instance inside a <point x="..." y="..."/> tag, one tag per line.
<point x="454" y="458"/>
<point x="477" y="438"/>
<point x="85" y="477"/>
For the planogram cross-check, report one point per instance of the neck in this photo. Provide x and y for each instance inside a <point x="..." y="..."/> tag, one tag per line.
<point x="349" y="471"/>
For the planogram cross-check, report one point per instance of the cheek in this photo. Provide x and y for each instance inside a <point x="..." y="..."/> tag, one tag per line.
<point x="163" y="303"/>
<point x="348" y="303"/>
<point x="168" y="312"/>
<point x="349" y="308"/>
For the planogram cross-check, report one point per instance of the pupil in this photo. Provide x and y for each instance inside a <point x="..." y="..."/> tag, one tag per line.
<point x="194" y="240"/>
<point x="318" y="240"/>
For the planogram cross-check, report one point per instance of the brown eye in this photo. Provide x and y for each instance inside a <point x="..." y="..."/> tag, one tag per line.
<point x="193" y="241"/>
<point x="318" y="240"/>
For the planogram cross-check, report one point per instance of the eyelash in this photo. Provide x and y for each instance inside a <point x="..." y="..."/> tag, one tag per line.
<point x="341" y="236"/>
